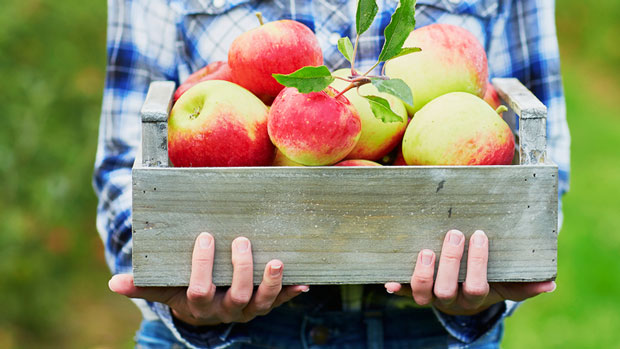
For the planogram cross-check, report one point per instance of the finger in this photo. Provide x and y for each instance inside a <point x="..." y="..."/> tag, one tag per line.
<point x="240" y="291"/>
<point x="476" y="287"/>
<point x="519" y="291"/>
<point x="267" y="291"/>
<point x="446" y="284"/>
<point x="288" y="293"/>
<point x="123" y="285"/>
<point x="398" y="289"/>
<point x="201" y="289"/>
<point x="422" y="278"/>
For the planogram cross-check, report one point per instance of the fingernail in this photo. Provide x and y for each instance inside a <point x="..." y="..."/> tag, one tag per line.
<point x="389" y="291"/>
<point x="455" y="237"/>
<point x="478" y="238"/>
<point x="427" y="257"/>
<point x="205" y="240"/>
<point x="305" y="289"/>
<point x="554" y="287"/>
<point x="275" y="270"/>
<point x="242" y="244"/>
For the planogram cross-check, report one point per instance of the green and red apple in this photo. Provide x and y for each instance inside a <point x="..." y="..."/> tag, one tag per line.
<point x="451" y="60"/>
<point x="218" y="123"/>
<point x="313" y="129"/>
<point x="378" y="138"/>
<point x="281" y="160"/>
<point x="279" y="47"/>
<point x="458" y="129"/>
<point x="218" y="70"/>
<point x="357" y="162"/>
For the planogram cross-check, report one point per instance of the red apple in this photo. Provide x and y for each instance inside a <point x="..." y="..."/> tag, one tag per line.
<point x="357" y="162"/>
<point x="400" y="159"/>
<point x="215" y="71"/>
<point x="280" y="47"/>
<point x="492" y="98"/>
<point x="313" y="129"/>
<point x="218" y="123"/>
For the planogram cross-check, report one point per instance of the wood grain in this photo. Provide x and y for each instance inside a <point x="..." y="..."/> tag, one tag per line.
<point x="343" y="225"/>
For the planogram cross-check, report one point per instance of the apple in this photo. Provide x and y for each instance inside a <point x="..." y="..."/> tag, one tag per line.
<point x="400" y="159"/>
<point x="313" y="129"/>
<point x="458" y="129"/>
<point x="452" y="60"/>
<point x="218" y="70"/>
<point x="357" y="162"/>
<point x="492" y="98"/>
<point x="281" y="160"/>
<point x="218" y="123"/>
<point x="276" y="47"/>
<point x="378" y="138"/>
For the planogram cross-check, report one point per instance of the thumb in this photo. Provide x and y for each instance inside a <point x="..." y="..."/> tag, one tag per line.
<point x="520" y="291"/>
<point x="123" y="285"/>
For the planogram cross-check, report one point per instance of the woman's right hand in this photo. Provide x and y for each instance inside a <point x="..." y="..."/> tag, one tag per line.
<point x="201" y="303"/>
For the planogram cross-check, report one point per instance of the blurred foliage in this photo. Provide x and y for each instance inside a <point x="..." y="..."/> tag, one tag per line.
<point x="52" y="61"/>
<point x="53" y="286"/>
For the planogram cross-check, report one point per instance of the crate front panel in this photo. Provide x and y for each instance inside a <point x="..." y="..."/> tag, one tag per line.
<point x="333" y="225"/>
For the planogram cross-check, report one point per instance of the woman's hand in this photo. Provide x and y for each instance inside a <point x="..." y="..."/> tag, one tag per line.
<point x="201" y="303"/>
<point x="475" y="294"/>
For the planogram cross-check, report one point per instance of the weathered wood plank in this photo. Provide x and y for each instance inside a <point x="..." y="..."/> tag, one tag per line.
<point x="343" y="225"/>
<point x="532" y="119"/>
<point x="155" y="124"/>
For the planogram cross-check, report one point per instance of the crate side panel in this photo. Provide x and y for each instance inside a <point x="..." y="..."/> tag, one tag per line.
<point x="348" y="225"/>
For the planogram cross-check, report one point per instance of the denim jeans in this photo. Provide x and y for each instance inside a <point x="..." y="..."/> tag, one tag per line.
<point x="286" y="328"/>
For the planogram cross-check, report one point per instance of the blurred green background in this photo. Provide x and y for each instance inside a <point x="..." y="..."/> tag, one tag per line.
<point x="53" y="279"/>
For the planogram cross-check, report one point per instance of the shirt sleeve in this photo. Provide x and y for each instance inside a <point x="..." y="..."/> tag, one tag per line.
<point x="140" y="49"/>
<point x="531" y="40"/>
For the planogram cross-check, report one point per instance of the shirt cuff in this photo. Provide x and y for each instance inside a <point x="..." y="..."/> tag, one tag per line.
<point x="197" y="337"/>
<point x="468" y="329"/>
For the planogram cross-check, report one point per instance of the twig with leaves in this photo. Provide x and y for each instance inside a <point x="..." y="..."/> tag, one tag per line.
<point x="402" y="23"/>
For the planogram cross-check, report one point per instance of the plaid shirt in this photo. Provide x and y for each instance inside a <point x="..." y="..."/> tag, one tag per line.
<point x="167" y="40"/>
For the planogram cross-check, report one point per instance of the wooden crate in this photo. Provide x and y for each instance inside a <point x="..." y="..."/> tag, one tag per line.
<point x="344" y="225"/>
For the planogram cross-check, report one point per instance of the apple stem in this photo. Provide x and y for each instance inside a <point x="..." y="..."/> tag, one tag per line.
<point x="372" y="68"/>
<point x="259" y="15"/>
<point x="344" y="79"/>
<point x="355" y="83"/>
<point x="501" y="109"/>
<point x="353" y="72"/>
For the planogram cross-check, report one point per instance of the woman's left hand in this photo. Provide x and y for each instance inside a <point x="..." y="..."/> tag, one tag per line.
<point x="475" y="294"/>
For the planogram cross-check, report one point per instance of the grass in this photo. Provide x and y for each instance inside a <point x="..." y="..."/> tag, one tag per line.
<point x="52" y="58"/>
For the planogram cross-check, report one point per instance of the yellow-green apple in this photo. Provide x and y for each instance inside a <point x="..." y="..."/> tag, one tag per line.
<point x="218" y="123"/>
<point x="281" y="160"/>
<point x="357" y="162"/>
<point x="313" y="129"/>
<point x="279" y="47"/>
<point x="458" y="129"/>
<point x="378" y="138"/>
<point x="218" y="70"/>
<point x="452" y="60"/>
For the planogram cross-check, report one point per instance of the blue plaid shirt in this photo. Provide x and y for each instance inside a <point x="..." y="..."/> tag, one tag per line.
<point x="167" y="40"/>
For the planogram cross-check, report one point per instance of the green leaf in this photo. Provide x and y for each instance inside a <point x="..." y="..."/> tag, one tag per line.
<point x="401" y="24"/>
<point x="381" y="109"/>
<point x="307" y="79"/>
<point x="396" y="87"/>
<point x="346" y="48"/>
<point x="407" y="50"/>
<point x="366" y="12"/>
